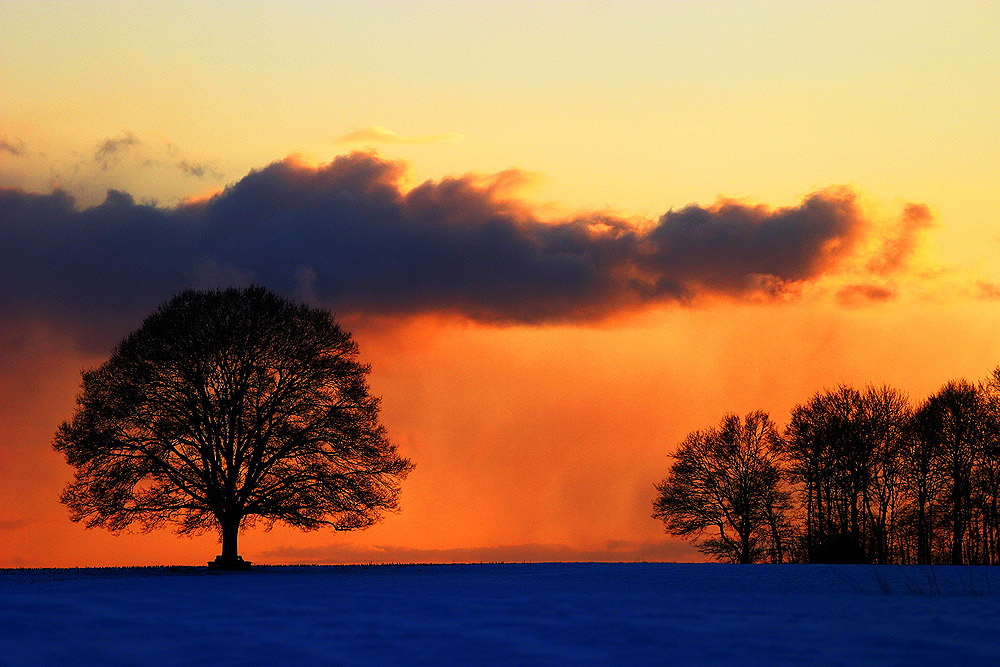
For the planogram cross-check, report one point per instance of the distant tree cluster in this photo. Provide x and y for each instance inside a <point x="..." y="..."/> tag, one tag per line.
<point x="857" y="477"/>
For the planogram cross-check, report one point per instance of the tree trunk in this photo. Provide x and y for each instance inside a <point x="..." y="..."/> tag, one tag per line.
<point x="230" y="558"/>
<point x="924" y="527"/>
<point x="745" y="546"/>
<point x="779" y="556"/>
<point x="230" y="537"/>
<point x="992" y="534"/>
<point x="957" y="509"/>
<point x="810" y="511"/>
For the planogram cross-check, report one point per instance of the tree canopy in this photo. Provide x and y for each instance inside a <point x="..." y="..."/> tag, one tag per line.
<point x="727" y="481"/>
<point x="226" y="408"/>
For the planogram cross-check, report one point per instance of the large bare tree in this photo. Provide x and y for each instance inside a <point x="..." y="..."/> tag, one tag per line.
<point x="226" y="408"/>
<point x="726" y="481"/>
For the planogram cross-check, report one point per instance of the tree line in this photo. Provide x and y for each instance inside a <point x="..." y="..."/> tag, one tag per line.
<point x="857" y="476"/>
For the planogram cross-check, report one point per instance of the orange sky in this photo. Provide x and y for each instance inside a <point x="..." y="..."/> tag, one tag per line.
<point x="535" y="436"/>
<point x="530" y="443"/>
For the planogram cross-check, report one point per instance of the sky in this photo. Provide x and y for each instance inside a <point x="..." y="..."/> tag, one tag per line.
<point x="564" y="234"/>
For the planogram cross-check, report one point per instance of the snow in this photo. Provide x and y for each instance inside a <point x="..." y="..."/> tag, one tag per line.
<point x="504" y="614"/>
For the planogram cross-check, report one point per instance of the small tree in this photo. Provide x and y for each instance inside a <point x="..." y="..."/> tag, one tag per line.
<point x="727" y="481"/>
<point x="226" y="408"/>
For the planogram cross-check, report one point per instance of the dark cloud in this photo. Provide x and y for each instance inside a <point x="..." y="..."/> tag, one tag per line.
<point x="616" y="551"/>
<point x="346" y="235"/>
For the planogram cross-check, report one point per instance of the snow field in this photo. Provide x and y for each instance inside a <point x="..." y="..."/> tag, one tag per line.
<point x="504" y="614"/>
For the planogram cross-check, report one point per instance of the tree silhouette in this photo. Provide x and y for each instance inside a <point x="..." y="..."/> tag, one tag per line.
<point x="988" y="470"/>
<point x="887" y="415"/>
<point x="952" y="426"/>
<point x="877" y="480"/>
<point x="226" y="408"/>
<point x="727" y="481"/>
<point x="845" y="448"/>
<point x="824" y="444"/>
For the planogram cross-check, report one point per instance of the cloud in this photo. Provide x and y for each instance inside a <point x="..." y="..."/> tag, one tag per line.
<point x="900" y="246"/>
<point x="158" y="154"/>
<point x="376" y="134"/>
<point x="15" y="524"/>
<point x="111" y="150"/>
<point x="861" y="294"/>
<point x="616" y="551"/>
<point x="15" y="147"/>
<point x="198" y="170"/>
<point x="988" y="291"/>
<point x="348" y="236"/>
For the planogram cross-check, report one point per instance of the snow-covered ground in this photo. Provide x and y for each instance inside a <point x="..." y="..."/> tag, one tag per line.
<point x="516" y="614"/>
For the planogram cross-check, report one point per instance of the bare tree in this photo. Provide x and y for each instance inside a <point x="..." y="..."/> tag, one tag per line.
<point x="921" y="486"/>
<point x="727" y="481"/>
<point x="225" y="408"/>
<point x="845" y="448"/>
<point x="951" y="427"/>
<point x="886" y="414"/>
<point x="988" y="474"/>
<point x="825" y="446"/>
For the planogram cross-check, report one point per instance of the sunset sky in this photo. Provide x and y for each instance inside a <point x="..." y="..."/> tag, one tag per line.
<point x="564" y="234"/>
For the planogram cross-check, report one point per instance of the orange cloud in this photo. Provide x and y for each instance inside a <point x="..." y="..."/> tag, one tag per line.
<point x="856" y="295"/>
<point x="203" y="197"/>
<point x="896" y="249"/>
<point x="376" y="134"/>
